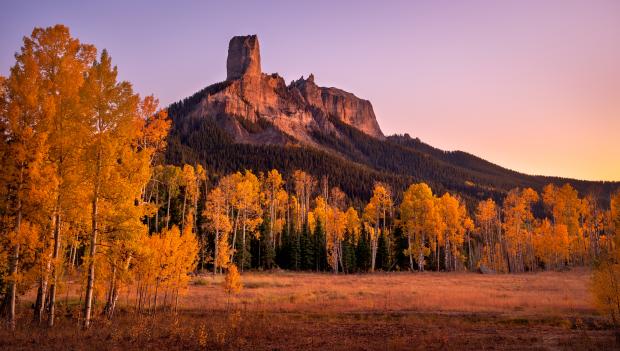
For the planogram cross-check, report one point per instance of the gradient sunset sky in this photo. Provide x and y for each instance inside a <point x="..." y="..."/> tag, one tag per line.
<point x="530" y="85"/>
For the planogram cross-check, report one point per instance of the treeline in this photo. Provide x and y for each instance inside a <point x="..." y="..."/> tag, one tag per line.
<point x="264" y="221"/>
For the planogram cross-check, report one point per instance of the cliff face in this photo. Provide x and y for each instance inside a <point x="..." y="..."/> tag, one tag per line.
<point x="243" y="57"/>
<point x="292" y="113"/>
<point x="345" y="106"/>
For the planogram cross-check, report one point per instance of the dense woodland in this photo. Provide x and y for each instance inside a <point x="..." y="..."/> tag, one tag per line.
<point x="86" y="190"/>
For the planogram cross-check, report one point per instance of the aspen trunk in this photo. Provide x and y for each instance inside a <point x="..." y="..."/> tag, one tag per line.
<point x="55" y="254"/>
<point x="168" y="208"/>
<point x="112" y="291"/>
<point x="234" y="242"/>
<point x="88" y="300"/>
<point x="39" y="307"/>
<point x="243" y="245"/>
<point x="469" y="253"/>
<point x="373" y="244"/>
<point x="410" y="253"/>
<point x="183" y="212"/>
<point x="15" y="259"/>
<point x="13" y="286"/>
<point x="216" y="250"/>
<point x="157" y="211"/>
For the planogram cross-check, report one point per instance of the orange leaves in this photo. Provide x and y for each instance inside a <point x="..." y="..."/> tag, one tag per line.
<point x="456" y="223"/>
<point x="353" y="223"/>
<point x="420" y="221"/>
<point x="247" y="202"/>
<point x="153" y="126"/>
<point x="232" y="281"/>
<point x="167" y="258"/>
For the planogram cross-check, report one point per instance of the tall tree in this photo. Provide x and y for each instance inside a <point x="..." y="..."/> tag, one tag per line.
<point x="219" y="223"/>
<point x="27" y="179"/>
<point x="420" y="221"/>
<point x="567" y="209"/>
<point x="249" y="211"/>
<point x="489" y="229"/>
<point x="375" y="214"/>
<point x="63" y="62"/>
<point x="518" y="228"/>
<point x="456" y="224"/>
<point x="111" y="113"/>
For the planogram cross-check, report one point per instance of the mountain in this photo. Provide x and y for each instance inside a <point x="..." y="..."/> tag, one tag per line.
<point x="255" y="121"/>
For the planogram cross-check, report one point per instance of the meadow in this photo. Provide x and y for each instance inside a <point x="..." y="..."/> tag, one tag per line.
<point x="391" y="311"/>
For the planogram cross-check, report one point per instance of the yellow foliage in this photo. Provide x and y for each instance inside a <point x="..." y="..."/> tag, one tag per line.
<point x="232" y="281"/>
<point x="606" y="289"/>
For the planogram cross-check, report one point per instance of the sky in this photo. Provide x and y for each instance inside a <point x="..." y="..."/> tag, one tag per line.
<point x="532" y="85"/>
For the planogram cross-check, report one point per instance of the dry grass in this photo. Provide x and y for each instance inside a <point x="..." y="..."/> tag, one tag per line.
<point x="395" y="311"/>
<point x="541" y="294"/>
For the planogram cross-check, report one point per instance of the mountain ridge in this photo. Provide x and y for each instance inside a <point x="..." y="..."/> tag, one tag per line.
<point x="254" y="120"/>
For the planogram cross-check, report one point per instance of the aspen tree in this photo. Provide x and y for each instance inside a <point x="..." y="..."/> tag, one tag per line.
<point x="26" y="177"/>
<point x="219" y="223"/>
<point x="487" y="226"/>
<point x="375" y="214"/>
<point x="248" y="208"/>
<point x="275" y="198"/>
<point x="456" y="223"/>
<point x="605" y="283"/>
<point x="420" y="221"/>
<point x="111" y="110"/>
<point x="518" y="228"/>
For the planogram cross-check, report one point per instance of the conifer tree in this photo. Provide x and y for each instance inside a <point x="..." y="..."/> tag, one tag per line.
<point x="320" y="254"/>
<point x="306" y="248"/>
<point x="362" y="251"/>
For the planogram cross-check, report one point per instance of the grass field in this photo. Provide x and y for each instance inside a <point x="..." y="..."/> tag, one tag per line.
<point x="386" y="311"/>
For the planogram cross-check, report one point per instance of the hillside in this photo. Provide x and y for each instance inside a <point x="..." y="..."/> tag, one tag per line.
<point x="255" y="121"/>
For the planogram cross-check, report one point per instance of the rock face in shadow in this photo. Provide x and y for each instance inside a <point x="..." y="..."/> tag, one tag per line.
<point x="254" y="107"/>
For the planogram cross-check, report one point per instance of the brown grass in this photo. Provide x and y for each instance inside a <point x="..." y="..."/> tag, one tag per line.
<point x="541" y="294"/>
<point x="393" y="311"/>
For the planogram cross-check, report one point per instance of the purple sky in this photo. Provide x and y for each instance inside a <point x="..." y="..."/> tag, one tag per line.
<point x="530" y="85"/>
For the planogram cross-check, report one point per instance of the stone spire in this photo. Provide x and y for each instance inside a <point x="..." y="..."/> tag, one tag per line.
<point x="243" y="57"/>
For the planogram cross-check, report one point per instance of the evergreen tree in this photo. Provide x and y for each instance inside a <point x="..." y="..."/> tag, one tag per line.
<point x="400" y="247"/>
<point x="383" y="253"/>
<point x="267" y="252"/>
<point x="283" y="252"/>
<point x="362" y="252"/>
<point x="306" y="248"/>
<point x="243" y="254"/>
<point x="320" y="252"/>
<point x="295" y="262"/>
<point x="348" y="254"/>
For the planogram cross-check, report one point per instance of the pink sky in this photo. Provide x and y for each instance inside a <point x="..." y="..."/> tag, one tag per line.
<point x="531" y="85"/>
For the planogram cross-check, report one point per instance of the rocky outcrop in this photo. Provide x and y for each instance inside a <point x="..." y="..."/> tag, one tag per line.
<point x="243" y="57"/>
<point x="259" y="108"/>
<point x="343" y="105"/>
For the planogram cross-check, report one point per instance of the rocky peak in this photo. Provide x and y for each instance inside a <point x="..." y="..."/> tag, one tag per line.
<point x="243" y="57"/>
<point x="292" y="113"/>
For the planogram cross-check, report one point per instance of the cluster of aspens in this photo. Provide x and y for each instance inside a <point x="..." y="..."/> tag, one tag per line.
<point x="256" y="223"/>
<point x="83" y="189"/>
<point x="77" y="151"/>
